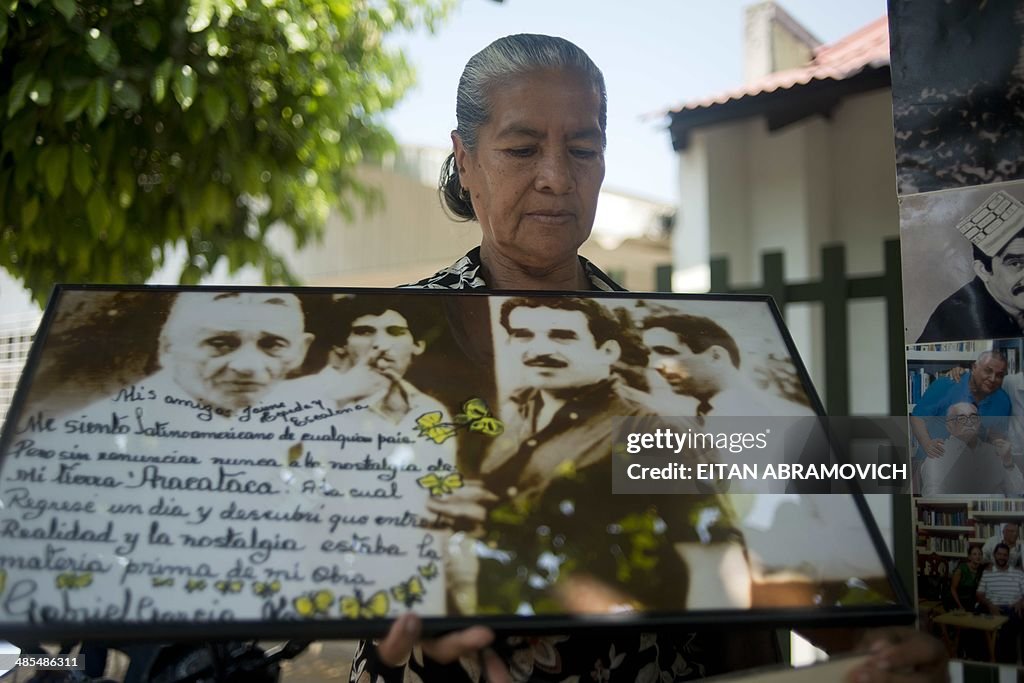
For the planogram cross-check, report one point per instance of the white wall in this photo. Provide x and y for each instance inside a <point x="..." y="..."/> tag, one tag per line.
<point x="744" y="190"/>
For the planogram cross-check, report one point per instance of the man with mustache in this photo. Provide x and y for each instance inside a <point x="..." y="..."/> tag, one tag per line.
<point x="969" y="466"/>
<point x="1001" y="592"/>
<point x="982" y="386"/>
<point x="991" y="305"/>
<point x="565" y="349"/>
<point x="698" y="358"/>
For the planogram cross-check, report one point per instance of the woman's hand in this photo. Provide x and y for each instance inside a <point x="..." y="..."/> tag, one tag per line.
<point x="395" y="649"/>
<point x="901" y="655"/>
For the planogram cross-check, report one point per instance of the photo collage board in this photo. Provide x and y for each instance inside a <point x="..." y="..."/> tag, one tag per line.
<point x="958" y="95"/>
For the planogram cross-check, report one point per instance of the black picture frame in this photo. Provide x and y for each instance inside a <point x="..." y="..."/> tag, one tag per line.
<point x="64" y="323"/>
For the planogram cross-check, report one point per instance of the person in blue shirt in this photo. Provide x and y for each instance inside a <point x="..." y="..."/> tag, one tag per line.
<point x="981" y="386"/>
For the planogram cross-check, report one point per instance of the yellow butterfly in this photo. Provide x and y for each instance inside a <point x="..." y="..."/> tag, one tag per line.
<point x="194" y="585"/>
<point x="430" y="426"/>
<point x="265" y="590"/>
<point x="428" y="571"/>
<point x="477" y="416"/>
<point x="226" y="587"/>
<point x="314" y="604"/>
<point x="159" y="582"/>
<point x="295" y="454"/>
<point x="441" y="486"/>
<point x="353" y="607"/>
<point x="73" y="581"/>
<point x="3" y="579"/>
<point x="409" y="592"/>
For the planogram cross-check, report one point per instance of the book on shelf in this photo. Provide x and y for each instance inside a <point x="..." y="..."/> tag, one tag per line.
<point x="998" y="505"/>
<point x="953" y="347"/>
<point x="943" y="517"/>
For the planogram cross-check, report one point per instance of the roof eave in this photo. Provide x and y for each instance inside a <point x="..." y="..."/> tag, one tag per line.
<point x="781" y="107"/>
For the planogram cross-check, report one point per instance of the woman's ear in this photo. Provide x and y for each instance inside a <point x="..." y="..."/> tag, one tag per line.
<point x="461" y="157"/>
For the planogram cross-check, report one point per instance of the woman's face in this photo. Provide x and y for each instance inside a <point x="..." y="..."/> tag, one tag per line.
<point x="536" y="172"/>
<point x="975" y="555"/>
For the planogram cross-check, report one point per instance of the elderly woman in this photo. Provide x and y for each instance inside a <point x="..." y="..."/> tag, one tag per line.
<point x="528" y="163"/>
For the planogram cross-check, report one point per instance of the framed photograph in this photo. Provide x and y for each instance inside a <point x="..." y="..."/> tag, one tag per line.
<point x="200" y="463"/>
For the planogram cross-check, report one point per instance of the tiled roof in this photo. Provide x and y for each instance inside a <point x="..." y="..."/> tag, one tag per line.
<point x="848" y="56"/>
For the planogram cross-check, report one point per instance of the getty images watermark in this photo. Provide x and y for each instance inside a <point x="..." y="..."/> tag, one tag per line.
<point x="760" y="455"/>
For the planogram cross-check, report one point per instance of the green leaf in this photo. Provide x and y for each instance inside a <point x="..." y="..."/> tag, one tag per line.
<point x="16" y="100"/>
<point x="149" y="33"/>
<point x="99" y="101"/>
<point x="98" y="45"/>
<point x="65" y="7"/>
<point x="29" y="212"/>
<point x="3" y="29"/>
<point x="200" y="13"/>
<point x="184" y="86"/>
<point x="56" y="170"/>
<point x="41" y="91"/>
<point x="127" y="96"/>
<point x="158" y="87"/>
<point x="98" y="211"/>
<point x="215" y="106"/>
<point x="74" y="103"/>
<point x="81" y="173"/>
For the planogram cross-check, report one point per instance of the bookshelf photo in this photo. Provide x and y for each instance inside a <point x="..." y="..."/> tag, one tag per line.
<point x="947" y="527"/>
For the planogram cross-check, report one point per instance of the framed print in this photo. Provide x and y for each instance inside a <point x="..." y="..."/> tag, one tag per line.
<point x="197" y="463"/>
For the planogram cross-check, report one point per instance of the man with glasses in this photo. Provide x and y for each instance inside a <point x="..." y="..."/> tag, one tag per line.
<point x="981" y="386"/>
<point x="970" y="466"/>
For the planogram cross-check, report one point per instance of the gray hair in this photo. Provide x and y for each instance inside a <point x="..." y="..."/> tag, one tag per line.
<point x="994" y="354"/>
<point x="503" y="59"/>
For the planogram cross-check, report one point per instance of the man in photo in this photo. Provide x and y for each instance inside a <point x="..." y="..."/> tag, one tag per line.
<point x="1001" y="592"/>
<point x="219" y="354"/>
<point x="970" y="466"/>
<point x="981" y="386"/>
<point x="1009" y="536"/>
<point x="229" y="350"/>
<point x="991" y="305"/>
<point x="698" y="358"/>
<point x="565" y="350"/>
<point x="373" y="345"/>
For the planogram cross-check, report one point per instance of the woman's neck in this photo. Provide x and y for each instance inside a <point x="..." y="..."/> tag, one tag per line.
<point x="503" y="273"/>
